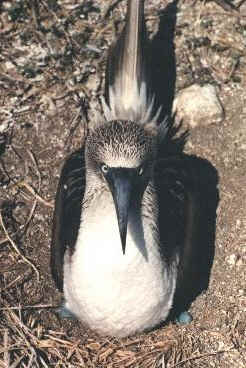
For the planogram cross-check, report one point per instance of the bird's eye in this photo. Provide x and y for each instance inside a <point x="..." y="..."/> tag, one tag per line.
<point x="104" y="168"/>
<point x="140" y="171"/>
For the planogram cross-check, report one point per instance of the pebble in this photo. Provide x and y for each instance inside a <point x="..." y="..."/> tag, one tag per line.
<point x="198" y="106"/>
<point x="231" y="259"/>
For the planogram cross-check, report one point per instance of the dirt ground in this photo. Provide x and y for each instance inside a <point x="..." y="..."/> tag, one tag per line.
<point x="52" y="62"/>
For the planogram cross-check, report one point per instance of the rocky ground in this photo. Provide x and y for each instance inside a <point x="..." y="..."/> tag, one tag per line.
<point x="52" y="62"/>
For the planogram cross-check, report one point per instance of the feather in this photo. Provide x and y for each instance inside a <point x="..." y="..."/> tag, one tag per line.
<point x="128" y="89"/>
<point x="67" y="213"/>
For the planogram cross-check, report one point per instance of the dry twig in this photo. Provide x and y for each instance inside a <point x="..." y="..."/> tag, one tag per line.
<point x="16" y="248"/>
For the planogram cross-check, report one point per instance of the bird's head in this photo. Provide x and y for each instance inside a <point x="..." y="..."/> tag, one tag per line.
<point x="121" y="154"/>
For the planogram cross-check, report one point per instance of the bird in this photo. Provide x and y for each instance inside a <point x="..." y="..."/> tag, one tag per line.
<point x="123" y="215"/>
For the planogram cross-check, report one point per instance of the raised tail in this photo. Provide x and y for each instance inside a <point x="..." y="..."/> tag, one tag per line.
<point x="128" y="91"/>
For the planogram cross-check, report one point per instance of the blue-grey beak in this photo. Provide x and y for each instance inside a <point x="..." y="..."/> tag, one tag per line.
<point x="121" y="184"/>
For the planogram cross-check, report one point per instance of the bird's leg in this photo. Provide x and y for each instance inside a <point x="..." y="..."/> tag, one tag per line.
<point x="64" y="312"/>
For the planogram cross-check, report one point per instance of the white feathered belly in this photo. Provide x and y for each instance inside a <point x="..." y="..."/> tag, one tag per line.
<point x="113" y="293"/>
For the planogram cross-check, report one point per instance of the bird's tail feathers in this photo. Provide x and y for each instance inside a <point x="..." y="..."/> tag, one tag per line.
<point x="128" y="89"/>
<point x="136" y="105"/>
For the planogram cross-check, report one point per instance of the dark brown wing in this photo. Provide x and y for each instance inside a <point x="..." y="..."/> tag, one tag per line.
<point x="179" y="217"/>
<point x="173" y="201"/>
<point x="188" y="194"/>
<point x="67" y="213"/>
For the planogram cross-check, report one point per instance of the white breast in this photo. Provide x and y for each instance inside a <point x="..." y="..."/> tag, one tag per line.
<point x="113" y="293"/>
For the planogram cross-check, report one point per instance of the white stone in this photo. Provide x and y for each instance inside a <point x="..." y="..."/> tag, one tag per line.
<point x="231" y="260"/>
<point x="198" y="106"/>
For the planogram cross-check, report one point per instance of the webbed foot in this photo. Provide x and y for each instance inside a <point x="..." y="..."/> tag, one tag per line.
<point x="184" y="318"/>
<point x="64" y="312"/>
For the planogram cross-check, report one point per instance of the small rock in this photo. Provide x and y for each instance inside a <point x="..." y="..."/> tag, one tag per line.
<point x="239" y="262"/>
<point x="231" y="260"/>
<point x="93" y="83"/>
<point x="198" y="106"/>
<point x="241" y="292"/>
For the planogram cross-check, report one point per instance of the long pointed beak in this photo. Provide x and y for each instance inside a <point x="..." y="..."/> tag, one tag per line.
<point x="121" y="183"/>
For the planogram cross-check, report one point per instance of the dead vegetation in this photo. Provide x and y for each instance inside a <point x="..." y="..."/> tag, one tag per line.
<point x="52" y="60"/>
<point x="27" y="343"/>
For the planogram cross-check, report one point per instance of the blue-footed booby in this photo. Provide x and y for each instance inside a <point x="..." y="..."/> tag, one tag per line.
<point x="116" y="250"/>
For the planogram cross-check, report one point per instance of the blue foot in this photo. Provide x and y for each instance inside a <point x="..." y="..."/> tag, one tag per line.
<point x="184" y="318"/>
<point x="64" y="312"/>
